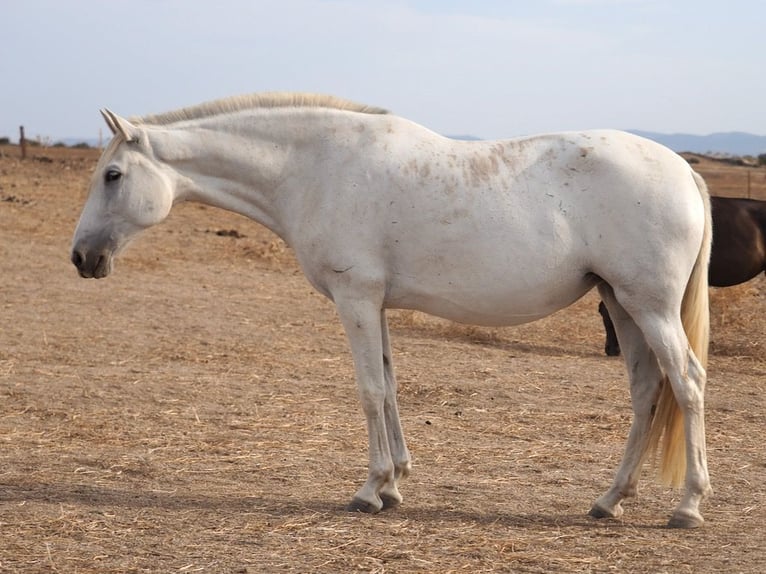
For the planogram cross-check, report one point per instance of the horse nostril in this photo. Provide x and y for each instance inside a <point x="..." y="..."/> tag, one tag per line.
<point x="77" y="259"/>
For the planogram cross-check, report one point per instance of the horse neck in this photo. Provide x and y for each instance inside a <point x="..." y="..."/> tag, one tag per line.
<point x="228" y="167"/>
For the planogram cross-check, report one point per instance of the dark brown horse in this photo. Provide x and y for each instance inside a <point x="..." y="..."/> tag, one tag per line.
<point x="739" y="251"/>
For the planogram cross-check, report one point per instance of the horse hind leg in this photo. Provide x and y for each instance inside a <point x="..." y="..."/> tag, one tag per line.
<point x="681" y="400"/>
<point x="687" y="378"/>
<point x="645" y="375"/>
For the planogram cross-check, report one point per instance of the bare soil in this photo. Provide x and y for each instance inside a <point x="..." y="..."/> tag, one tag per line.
<point x="196" y="412"/>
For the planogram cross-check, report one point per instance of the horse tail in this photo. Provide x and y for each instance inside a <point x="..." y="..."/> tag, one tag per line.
<point x="668" y="421"/>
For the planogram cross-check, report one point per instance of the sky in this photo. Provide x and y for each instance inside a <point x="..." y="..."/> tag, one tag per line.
<point x="486" y="68"/>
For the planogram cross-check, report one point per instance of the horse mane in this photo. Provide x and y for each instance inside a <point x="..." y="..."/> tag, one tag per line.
<point x="258" y="100"/>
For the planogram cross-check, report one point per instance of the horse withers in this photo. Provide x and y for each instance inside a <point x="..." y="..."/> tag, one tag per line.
<point x="738" y="254"/>
<point x="384" y="213"/>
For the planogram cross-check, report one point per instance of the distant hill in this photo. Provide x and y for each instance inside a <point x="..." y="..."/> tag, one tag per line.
<point x="464" y="137"/>
<point x="732" y="143"/>
<point x="92" y="142"/>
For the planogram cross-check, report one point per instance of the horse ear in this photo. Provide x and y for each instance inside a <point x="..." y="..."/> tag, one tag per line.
<point x="107" y="118"/>
<point x="120" y="125"/>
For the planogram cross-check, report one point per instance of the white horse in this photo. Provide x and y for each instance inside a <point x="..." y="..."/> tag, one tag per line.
<point x="383" y="213"/>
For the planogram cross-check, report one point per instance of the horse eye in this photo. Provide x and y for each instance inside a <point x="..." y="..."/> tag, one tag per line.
<point x="112" y="175"/>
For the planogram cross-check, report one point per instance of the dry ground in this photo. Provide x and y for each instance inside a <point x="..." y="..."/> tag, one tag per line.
<point x="195" y="412"/>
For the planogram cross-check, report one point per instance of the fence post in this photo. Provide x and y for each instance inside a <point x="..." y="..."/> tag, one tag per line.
<point x="22" y="142"/>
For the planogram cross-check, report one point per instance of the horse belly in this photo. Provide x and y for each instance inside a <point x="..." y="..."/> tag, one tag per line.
<point x="489" y="296"/>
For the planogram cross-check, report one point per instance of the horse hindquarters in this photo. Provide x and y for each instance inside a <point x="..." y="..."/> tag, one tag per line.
<point x="668" y="407"/>
<point x="656" y="340"/>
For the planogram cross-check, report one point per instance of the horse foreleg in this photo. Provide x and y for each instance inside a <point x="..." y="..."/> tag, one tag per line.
<point x="399" y="452"/>
<point x="362" y="322"/>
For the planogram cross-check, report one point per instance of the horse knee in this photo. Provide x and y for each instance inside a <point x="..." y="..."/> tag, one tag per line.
<point x="373" y="399"/>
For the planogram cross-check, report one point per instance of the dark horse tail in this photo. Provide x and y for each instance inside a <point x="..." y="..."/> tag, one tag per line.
<point x="668" y="422"/>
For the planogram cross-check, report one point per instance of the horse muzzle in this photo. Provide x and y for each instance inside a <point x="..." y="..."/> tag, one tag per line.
<point x="92" y="264"/>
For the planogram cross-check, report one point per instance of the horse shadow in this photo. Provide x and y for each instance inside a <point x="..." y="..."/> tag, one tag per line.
<point x="491" y="339"/>
<point x="91" y="496"/>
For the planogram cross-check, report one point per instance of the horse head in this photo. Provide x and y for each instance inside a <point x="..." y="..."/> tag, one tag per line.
<point x="130" y="191"/>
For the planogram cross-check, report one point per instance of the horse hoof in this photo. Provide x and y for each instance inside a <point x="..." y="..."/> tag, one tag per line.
<point x="597" y="511"/>
<point x="684" y="520"/>
<point x="359" y="505"/>
<point x="390" y="501"/>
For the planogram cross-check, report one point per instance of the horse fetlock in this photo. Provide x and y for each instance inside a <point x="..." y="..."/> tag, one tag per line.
<point x="629" y="491"/>
<point x="403" y="469"/>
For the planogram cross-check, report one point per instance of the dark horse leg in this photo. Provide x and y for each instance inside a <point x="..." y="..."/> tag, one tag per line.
<point x="612" y="345"/>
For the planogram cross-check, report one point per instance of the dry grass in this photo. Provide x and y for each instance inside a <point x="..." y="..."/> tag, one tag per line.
<point x="196" y="413"/>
